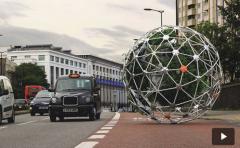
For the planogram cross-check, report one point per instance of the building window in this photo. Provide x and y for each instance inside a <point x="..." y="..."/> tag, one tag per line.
<point x="113" y="72"/>
<point x="96" y="68"/>
<point x="76" y="72"/>
<point x="66" y="71"/>
<point x="93" y="67"/>
<point x="57" y="72"/>
<point x="103" y="69"/>
<point x="66" y="61"/>
<point x="100" y="69"/>
<point x="51" y="58"/>
<point x="80" y="65"/>
<point x="80" y="72"/>
<point x="41" y="58"/>
<point x="71" y="71"/>
<point x="110" y="71"/>
<point x="52" y="75"/>
<point x="71" y="62"/>
<point x="62" y="60"/>
<point x="57" y="59"/>
<point x="62" y="71"/>
<point x="107" y="70"/>
<point x="84" y="65"/>
<point x="27" y="56"/>
<point x="13" y="57"/>
<point x="75" y="64"/>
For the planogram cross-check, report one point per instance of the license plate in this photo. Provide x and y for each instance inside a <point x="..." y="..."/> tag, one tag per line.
<point x="43" y="107"/>
<point x="71" y="110"/>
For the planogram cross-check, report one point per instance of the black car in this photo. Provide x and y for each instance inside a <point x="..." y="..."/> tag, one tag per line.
<point x="20" y="104"/>
<point x="40" y="103"/>
<point x="75" y="96"/>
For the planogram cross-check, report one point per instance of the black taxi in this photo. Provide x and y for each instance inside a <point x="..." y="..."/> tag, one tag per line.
<point x="75" y="96"/>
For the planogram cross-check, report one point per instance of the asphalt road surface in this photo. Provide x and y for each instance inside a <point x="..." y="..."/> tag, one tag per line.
<point x="39" y="132"/>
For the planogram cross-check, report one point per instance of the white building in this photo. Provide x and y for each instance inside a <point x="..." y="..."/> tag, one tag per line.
<point x="53" y="60"/>
<point x="57" y="62"/>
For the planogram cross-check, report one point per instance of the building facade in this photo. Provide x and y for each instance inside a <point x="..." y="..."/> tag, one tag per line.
<point x="193" y="12"/>
<point x="53" y="60"/>
<point x="57" y="62"/>
<point x="109" y="77"/>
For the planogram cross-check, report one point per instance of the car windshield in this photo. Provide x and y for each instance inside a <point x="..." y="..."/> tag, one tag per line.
<point x="69" y="84"/>
<point x="43" y="94"/>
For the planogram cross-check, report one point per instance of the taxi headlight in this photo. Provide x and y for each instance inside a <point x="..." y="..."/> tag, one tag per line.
<point x="88" y="99"/>
<point x="32" y="102"/>
<point x="54" y="100"/>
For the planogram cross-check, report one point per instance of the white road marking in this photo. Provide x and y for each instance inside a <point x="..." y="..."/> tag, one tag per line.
<point x="89" y="144"/>
<point x="3" y="127"/>
<point x="117" y="116"/>
<point x="45" y="118"/>
<point x="26" y="122"/>
<point x="102" y="132"/>
<point x="109" y="125"/>
<point x="96" y="137"/>
<point x="106" y="128"/>
<point x="112" y="122"/>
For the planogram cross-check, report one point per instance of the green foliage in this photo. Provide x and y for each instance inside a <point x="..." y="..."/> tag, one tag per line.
<point x="28" y="74"/>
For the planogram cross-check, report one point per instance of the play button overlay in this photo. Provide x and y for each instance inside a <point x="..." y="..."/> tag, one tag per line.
<point x="223" y="136"/>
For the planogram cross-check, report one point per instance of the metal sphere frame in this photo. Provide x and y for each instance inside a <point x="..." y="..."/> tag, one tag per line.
<point x="173" y="74"/>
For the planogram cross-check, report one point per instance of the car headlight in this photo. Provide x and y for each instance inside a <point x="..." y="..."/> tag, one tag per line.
<point x="88" y="99"/>
<point x="54" y="100"/>
<point x="32" y="102"/>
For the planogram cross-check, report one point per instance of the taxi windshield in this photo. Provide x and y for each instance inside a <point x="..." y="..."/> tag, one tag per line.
<point x="69" y="84"/>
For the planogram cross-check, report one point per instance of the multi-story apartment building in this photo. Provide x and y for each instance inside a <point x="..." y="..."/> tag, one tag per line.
<point x="193" y="12"/>
<point x="57" y="62"/>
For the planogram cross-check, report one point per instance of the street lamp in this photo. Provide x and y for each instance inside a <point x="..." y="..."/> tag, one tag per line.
<point x="160" y="11"/>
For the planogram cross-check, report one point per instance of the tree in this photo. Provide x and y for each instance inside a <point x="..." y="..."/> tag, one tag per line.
<point x="28" y="74"/>
<point x="218" y="36"/>
<point x="231" y="14"/>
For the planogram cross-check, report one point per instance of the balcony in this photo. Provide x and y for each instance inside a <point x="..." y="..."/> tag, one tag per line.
<point x="191" y="11"/>
<point x="190" y="2"/>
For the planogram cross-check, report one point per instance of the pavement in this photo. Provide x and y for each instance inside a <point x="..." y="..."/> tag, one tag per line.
<point x="136" y="131"/>
<point x="39" y="132"/>
<point x="228" y="116"/>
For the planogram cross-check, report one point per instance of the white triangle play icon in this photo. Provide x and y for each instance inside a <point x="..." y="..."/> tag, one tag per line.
<point x="223" y="136"/>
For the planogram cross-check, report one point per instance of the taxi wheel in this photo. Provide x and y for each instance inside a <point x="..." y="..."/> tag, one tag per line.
<point x="98" y="116"/>
<point x="52" y="118"/>
<point x="92" y="115"/>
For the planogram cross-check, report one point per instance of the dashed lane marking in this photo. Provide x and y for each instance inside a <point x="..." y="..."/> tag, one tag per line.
<point x="26" y="122"/>
<point x="106" y="128"/>
<point x="89" y="144"/>
<point x="96" y="137"/>
<point x="102" y="132"/>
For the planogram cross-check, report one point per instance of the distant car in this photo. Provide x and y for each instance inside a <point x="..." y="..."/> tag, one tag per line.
<point x="40" y="103"/>
<point x="20" y="104"/>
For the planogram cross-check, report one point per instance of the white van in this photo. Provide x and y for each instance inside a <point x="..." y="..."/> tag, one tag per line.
<point x="6" y="100"/>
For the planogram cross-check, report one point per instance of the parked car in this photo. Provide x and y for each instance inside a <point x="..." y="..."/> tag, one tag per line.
<point x="40" y="103"/>
<point x="6" y="100"/>
<point x="20" y="104"/>
<point x="75" y="96"/>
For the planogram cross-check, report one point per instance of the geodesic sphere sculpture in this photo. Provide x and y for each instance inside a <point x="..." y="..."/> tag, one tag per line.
<point x="173" y="74"/>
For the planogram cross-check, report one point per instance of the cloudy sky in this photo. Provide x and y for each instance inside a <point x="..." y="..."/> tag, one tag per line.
<point x="104" y="28"/>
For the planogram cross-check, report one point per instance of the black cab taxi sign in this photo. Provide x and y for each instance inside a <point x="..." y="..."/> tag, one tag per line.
<point x="74" y="75"/>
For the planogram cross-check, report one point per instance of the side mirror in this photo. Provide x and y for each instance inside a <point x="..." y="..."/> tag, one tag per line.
<point x="97" y="88"/>
<point x="51" y="90"/>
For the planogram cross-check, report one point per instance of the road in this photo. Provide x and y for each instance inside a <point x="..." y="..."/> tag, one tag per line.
<point x="39" y="132"/>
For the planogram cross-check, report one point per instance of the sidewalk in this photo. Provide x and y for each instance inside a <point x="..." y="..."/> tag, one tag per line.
<point x="230" y="116"/>
<point x="136" y="131"/>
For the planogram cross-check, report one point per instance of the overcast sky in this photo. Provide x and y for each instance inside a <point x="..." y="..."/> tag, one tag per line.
<point x="104" y="28"/>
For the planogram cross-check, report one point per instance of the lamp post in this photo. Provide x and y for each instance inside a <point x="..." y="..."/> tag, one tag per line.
<point x="160" y="11"/>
